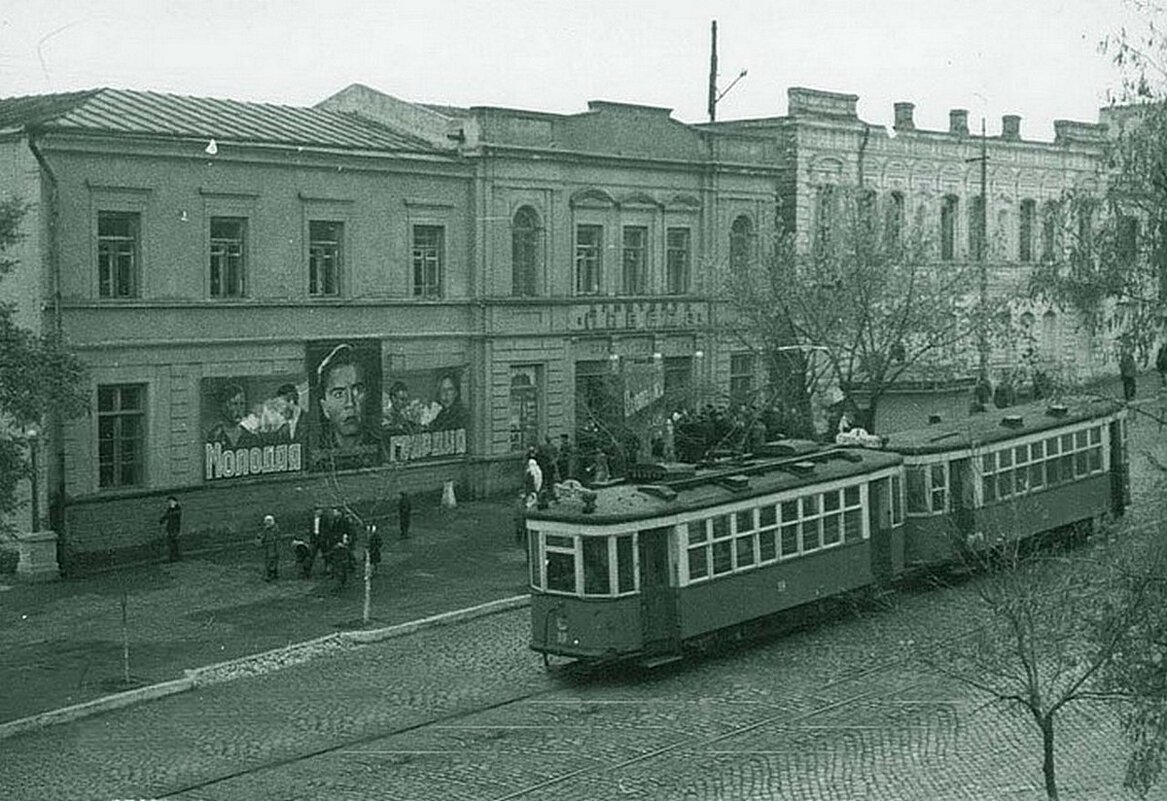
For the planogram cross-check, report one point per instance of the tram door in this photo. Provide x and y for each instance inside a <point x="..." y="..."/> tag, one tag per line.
<point x="879" y="523"/>
<point x="1120" y="487"/>
<point x="658" y="603"/>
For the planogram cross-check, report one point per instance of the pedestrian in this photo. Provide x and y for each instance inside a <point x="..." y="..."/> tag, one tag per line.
<point x="171" y="521"/>
<point x="269" y="540"/>
<point x="519" y="518"/>
<point x="1161" y="364"/>
<point x="1128" y="371"/>
<point x="314" y="543"/>
<point x="404" y="513"/>
<point x="374" y="548"/>
<point x="342" y="548"/>
<point x="532" y="480"/>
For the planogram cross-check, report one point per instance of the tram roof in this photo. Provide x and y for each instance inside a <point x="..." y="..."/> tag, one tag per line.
<point x="711" y="487"/>
<point x="988" y="427"/>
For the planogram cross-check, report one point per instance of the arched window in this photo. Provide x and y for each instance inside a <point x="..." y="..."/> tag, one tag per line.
<point x="893" y="228"/>
<point x="1051" y="231"/>
<point x="1025" y="230"/>
<point x="526" y="252"/>
<point x="741" y="243"/>
<point x="948" y="227"/>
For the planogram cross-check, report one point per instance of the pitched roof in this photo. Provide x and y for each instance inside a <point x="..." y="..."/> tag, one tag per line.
<point x="119" y="111"/>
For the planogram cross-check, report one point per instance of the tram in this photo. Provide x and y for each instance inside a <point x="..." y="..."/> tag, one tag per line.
<point x="677" y="554"/>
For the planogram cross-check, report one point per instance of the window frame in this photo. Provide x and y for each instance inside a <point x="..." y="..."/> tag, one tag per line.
<point x="999" y="468"/>
<point x="678" y="260"/>
<point x="616" y="585"/>
<point x="949" y="213"/>
<point x="228" y="258"/>
<point x="527" y="239"/>
<point x="634" y="259"/>
<point x="427" y="261"/>
<point x="740" y="376"/>
<point x="103" y="243"/>
<point x="930" y="490"/>
<point x="589" y="259"/>
<point x="117" y="417"/>
<point x="1026" y="217"/>
<point x="318" y="248"/>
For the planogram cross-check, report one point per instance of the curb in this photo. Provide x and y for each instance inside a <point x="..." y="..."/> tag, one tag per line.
<point x="255" y="665"/>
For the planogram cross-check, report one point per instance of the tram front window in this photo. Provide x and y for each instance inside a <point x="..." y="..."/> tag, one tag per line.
<point x="561" y="572"/>
<point x="595" y="560"/>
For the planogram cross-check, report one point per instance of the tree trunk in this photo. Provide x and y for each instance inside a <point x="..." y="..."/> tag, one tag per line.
<point x="1047" y="761"/>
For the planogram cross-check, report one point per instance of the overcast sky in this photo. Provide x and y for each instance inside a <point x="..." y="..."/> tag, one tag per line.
<point x="1036" y="58"/>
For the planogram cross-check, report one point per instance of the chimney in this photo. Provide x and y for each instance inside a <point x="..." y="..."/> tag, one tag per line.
<point x="1011" y="127"/>
<point x="958" y="121"/>
<point x="903" y="116"/>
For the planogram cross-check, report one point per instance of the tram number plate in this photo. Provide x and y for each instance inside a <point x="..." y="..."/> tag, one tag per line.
<point x="781" y="585"/>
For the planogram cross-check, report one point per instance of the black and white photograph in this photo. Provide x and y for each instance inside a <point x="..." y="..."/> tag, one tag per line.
<point x="547" y="401"/>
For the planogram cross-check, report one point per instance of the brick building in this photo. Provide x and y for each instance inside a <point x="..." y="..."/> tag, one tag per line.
<point x="281" y="306"/>
<point x="935" y="177"/>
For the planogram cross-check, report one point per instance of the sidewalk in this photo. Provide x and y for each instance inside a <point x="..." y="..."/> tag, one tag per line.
<point x="61" y="642"/>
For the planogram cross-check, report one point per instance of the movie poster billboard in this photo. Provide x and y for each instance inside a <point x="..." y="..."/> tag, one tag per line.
<point x="424" y="414"/>
<point x="344" y="379"/>
<point x="253" y="425"/>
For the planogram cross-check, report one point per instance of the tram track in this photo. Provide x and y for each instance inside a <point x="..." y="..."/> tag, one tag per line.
<point x="688" y="741"/>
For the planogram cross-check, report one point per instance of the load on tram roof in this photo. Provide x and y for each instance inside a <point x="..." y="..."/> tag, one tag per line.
<point x="672" y="489"/>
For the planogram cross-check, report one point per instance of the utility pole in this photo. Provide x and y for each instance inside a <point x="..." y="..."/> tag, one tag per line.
<point x="713" y="71"/>
<point x="983" y="277"/>
<point x="714" y="95"/>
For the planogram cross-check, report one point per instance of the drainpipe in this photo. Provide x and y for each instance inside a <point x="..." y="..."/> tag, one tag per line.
<point x="57" y="502"/>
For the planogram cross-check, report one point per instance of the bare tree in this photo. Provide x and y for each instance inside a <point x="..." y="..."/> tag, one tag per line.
<point x="869" y="291"/>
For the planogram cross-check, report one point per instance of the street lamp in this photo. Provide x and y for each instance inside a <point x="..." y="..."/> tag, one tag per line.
<point x="32" y="433"/>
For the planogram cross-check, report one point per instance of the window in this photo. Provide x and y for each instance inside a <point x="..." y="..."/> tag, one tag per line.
<point x="121" y="435"/>
<point x="894" y="224"/>
<point x="741" y="243"/>
<point x="588" y="259"/>
<point x="741" y="377"/>
<point x="118" y="253"/>
<point x="1020" y="469"/>
<point x="1085" y="225"/>
<point x="1051" y="230"/>
<point x="679" y="246"/>
<point x="976" y="228"/>
<point x="526" y="247"/>
<point x="927" y="488"/>
<point x="635" y="260"/>
<point x="948" y="228"/>
<point x="325" y="257"/>
<point x="559" y="563"/>
<point x="597" y="580"/>
<point x="1025" y="231"/>
<point x="228" y="241"/>
<point x="524" y="408"/>
<point x="428" y="257"/>
<point x="824" y="218"/>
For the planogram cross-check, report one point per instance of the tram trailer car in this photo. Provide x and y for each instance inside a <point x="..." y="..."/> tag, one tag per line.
<point x="1008" y="474"/>
<point x="643" y="569"/>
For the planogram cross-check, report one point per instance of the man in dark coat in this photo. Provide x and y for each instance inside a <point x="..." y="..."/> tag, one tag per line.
<point x="171" y="520"/>
<point x="1128" y="371"/>
<point x="269" y="540"/>
<point x="1161" y="364"/>
<point x="404" y="513"/>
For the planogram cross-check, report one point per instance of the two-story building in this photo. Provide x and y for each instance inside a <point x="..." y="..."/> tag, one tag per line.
<point x="283" y="306"/>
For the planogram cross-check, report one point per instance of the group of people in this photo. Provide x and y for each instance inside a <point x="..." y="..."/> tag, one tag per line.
<point x="332" y="536"/>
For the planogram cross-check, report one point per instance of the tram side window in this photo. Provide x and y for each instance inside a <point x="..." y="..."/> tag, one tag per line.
<point x="1037" y="464"/>
<point x="744" y="538"/>
<point x="533" y="557"/>
<point x="625" y="565"/>
<point x="698" y="550"/>
<point x="790" y="528"/>
<point x="812" y="538"/>
<point x="595" y="565"/>
<point x="832" y="518"/>
<point x="768" y="533"/>
<point x="1095" y="452"/>
<point x="939" y="476"/>
<point x="559" y="555"/>
<point x="722" y="545"/>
